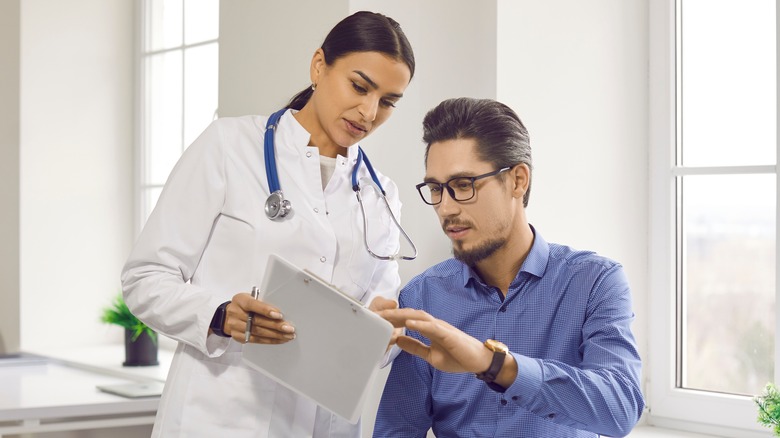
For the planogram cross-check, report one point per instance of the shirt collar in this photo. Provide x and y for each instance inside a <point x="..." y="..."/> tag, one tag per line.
<point x="290" y="127"/>
<point x="535" y="263"/>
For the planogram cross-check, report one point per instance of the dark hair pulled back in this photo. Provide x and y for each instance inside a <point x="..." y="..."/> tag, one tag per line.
<point x="362" y="32"/>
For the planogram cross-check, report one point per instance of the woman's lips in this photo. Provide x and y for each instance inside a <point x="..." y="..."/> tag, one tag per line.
<point x="355" y="129"/>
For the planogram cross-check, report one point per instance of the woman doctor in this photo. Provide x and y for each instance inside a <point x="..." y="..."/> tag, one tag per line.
<point x="209" y="237"/>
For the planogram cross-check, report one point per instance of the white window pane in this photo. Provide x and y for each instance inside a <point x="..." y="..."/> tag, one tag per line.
<point x="728" y="237"/>
<point x="201" y="21"/>
<point x="728" y="82"/>
<point x="164" y="115"/>
<point x="164" y="24"/>
<point x="201" y="72"/>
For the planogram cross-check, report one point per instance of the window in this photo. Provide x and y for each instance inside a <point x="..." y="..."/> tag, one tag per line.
<point x="179" y="85"/>
<point x="714" y="226"/>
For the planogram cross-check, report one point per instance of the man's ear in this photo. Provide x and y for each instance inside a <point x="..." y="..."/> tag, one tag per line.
<point x="521" y="177"/>
<point x="317" y="66"/>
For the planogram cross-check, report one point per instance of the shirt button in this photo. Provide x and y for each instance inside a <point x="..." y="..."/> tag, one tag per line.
<point x="503" y="309"/>
<point x="551" y="416"/>
<point x="323" y="259"/>
<point x="316" y="210"/>
<point x="308" y="154"/>
<point x="503" y="402"/>
<point x="514" y="398"/>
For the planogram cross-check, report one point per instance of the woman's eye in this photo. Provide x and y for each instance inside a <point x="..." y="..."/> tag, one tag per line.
<point x="387" y="103"/>
<point x="358" y="88"/>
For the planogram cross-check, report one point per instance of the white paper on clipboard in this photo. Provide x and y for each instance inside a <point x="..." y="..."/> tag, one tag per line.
<point x="338" y="347"/>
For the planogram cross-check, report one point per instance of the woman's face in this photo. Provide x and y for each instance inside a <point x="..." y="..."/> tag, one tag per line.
<point x="353" y="97"/>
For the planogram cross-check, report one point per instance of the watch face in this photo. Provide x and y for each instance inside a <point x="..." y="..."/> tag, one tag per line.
<point x="494" y="345"/>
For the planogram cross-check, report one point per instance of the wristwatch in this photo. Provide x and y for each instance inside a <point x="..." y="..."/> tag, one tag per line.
<point x="499" y="353"/>
<point x="218" y="321"/>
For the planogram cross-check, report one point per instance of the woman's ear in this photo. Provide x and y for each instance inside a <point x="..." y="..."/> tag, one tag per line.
<point x="317" y="66"/>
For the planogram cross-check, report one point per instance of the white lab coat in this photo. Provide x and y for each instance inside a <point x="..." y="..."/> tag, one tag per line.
<point x="208" y="238"/>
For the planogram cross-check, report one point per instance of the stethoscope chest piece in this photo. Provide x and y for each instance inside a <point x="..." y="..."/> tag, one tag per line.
<point x="276" y="207"/>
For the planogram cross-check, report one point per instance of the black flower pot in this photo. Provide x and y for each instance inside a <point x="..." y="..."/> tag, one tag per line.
<point x="141" y="352"/>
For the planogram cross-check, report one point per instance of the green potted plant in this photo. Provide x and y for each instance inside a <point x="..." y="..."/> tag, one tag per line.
<point x="140" y="339"/>
<point x="769" y="408"/>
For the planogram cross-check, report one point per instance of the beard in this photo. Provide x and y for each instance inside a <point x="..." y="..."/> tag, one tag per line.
<point x="471" y="256"/>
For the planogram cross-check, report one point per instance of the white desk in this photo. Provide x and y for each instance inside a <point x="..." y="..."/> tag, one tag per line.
<point x="60" y="394"/>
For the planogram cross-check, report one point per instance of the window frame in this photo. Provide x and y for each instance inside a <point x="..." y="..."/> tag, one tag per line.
<point x="142" y="157"/>
<point x="670" y="406"/>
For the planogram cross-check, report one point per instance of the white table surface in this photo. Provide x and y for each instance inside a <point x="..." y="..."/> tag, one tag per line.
<point x="59" y="392"/>
<point x="107" y="359"/>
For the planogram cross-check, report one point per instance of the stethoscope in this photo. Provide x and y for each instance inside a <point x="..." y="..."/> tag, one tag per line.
<point x="276" y="207"/>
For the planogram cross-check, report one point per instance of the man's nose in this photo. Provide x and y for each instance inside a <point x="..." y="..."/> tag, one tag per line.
<point x="448" y="204"/>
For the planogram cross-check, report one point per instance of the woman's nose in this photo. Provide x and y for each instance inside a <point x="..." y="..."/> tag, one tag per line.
<point x="368" y="108"/>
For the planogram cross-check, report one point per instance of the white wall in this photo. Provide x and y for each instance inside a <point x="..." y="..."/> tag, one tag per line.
<point x="9" y="176"/>
<point x="576" y="73"/>
<point x="76" y="119"/>
<point x="265" y="49"/>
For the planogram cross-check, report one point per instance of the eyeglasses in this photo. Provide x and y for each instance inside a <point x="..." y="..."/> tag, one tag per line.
<point x="460" y="188"/>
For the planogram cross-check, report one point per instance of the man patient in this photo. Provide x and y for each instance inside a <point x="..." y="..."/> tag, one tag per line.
<point x="514" y="336"/>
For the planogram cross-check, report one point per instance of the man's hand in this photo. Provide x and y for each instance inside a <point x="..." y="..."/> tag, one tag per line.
<point x="379" y="304"/>
<point x="382" y="303"/>
<point x="451" y="350"/>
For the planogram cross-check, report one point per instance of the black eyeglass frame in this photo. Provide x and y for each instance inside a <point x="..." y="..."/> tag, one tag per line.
<point x="451" y="191"/>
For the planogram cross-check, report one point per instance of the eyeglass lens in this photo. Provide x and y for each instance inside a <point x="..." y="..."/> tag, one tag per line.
<point x="461" y="189"/>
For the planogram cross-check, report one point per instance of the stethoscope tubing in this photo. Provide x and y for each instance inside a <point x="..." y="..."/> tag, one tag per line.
<point x="276" y="207"/>
<point x="269" y="150"/>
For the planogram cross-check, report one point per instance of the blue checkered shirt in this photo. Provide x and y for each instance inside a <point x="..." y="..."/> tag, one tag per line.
<point x="566" y="320"/>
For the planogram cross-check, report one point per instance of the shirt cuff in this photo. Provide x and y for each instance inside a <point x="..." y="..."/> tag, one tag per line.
<point x="390" y="356"/>
<point x="529" y="379"/>
<point x="216" y="345"/>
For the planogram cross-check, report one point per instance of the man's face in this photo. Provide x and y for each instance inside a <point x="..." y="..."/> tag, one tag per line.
<point x="481" y="225"/>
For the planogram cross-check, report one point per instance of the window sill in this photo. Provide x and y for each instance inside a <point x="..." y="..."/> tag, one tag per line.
<point x="645" y="431"/>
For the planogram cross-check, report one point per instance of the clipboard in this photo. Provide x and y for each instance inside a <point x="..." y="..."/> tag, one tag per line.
<point x="338" y="347"/>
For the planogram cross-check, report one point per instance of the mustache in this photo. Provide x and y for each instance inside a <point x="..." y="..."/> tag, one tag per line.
<point x="450" y="222"/>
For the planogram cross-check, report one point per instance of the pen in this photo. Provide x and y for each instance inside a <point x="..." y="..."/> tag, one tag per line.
<point x="248" y="332"/>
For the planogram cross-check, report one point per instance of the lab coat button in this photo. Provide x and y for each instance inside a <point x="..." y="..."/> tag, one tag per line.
<point x="323" y="259"/>
<point x="316" y="210"/>
<point x="308" y="154"/>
